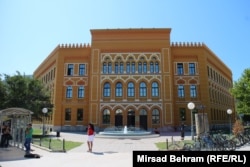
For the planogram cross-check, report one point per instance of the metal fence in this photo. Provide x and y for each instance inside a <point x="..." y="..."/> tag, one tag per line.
<point x="55" y="145"/>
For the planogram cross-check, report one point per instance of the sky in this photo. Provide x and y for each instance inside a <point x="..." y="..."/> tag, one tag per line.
<point x="31" y="29"/>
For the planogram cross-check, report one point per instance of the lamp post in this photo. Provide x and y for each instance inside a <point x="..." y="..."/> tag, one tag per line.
<point x="191" y="106"/>
<point x="229" y="112"/>
<point x="44" y="110"/>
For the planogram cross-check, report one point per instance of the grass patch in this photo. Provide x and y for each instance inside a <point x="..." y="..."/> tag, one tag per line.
<point x="56" y="144"/>
<point x="37" y="131"/>
<point x="163" y="145"/>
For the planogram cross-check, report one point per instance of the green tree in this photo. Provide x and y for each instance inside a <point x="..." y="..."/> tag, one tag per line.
<point x="2" y="93"/>
<point x="241" y="92"/>
<point x="25" y="92"/>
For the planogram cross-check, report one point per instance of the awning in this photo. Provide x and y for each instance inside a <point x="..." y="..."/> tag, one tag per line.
<point x="15" y="111"/>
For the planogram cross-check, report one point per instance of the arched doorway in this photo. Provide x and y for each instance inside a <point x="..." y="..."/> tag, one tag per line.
<point x="131" y="118"/>
<point x="143" y="119"/>
<point x="118" y="118"/>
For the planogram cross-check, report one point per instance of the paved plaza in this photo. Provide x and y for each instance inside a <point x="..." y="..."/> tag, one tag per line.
<point x="106" y="152"/>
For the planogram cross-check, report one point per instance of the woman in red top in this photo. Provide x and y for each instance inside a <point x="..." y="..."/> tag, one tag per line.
<point x="91" y="134"/>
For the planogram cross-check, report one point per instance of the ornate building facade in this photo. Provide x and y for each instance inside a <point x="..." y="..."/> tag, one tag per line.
<point x="134" y="77"/>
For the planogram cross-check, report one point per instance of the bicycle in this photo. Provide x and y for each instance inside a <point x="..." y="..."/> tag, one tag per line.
<point x="174" y="146"/>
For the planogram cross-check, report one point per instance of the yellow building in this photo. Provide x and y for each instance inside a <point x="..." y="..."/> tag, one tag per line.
<point x="135" y="77"/>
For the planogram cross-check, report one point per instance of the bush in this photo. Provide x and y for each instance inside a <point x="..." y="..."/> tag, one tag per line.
<point x="238" y="127"/>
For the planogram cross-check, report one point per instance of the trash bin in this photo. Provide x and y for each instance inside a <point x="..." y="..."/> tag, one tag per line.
<point x="57" y="134"/>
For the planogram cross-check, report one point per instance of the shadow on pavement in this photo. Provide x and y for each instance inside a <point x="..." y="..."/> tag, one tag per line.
<point x="11" y="154"/>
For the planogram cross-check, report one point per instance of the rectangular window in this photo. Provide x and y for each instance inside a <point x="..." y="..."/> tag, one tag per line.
<point x="180" y="69"/>
<point x="79" y="114"/>
<point x="69" y="92"/>
<point x="67" y="114"/>
<point x="82" y="69"/>
<point x="80" y="91"/>
<point x="193" y="91"/>
<point x="180" y="91"/>
<point x="191" y="69"/>
<point x="70" y="70"/>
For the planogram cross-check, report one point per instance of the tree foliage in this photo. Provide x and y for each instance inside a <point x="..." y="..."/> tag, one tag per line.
<point x="241" y="92"/>
<point x="25" y="92"/>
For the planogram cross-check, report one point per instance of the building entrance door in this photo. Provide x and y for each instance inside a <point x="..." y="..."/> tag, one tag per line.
<point x="131" y="118"/>
<point x="118" y="120"/>
<point x="143" y="122"/>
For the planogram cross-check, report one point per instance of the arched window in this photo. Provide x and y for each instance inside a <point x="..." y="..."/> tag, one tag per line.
<point x="109" y="67"/>
<point x="118" y="112"/>
<point x="105" y="68"/>
<point x="151" y="67"/>
<point x="143" y="89"/>
<point x="118" y="89"/>
<point x="116" y="68"/>
<point x="131" y="89"/>
<point x="128" y="68"/>
<point x="155" y="89"/>
<point x="139" y="67"/>
<point x="155" y="116"/>
<point x="106" y="90"/>
<point x="106" y="116"/>
<point x="156" y="67"/>
<point x="121" y="68"/>
<point x="133" y="67"/>
<point x="145" y="67"/>
<point x="143" y="112"/>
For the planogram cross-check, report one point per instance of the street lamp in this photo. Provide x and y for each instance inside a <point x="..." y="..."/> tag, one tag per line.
<point x="229" y="112"/>
<point x="191" y="106"/>
<point x="44" y="110"/>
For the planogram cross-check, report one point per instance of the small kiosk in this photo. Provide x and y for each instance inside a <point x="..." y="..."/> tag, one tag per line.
<point x="16" y="119"/>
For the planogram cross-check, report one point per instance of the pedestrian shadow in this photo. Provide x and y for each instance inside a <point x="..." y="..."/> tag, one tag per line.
<point x="106" y="152"/>
<point x="98" y="153"/>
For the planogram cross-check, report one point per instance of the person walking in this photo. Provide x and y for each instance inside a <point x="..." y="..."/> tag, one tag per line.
<point x="91" y="135"/>
<point x="28" y="138"/>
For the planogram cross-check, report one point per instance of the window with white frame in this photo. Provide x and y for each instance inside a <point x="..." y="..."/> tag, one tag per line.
<point x="191" y="68"/>
<point x="118" y="89"/>
<point x="70" y="70"/>
<point x="81" y="69"/>
<point x="181" y="91"/>
<point x="180" y="70"/>
<point x="80" y="91"/>
<point x="69" y="92"/>
<point x="143" y="89"/>
<point x="106" y="90"/>
<point x="193" y="91"/>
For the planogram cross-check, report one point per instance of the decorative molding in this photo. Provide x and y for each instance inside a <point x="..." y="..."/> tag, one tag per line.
<point x="125" y="106"/>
